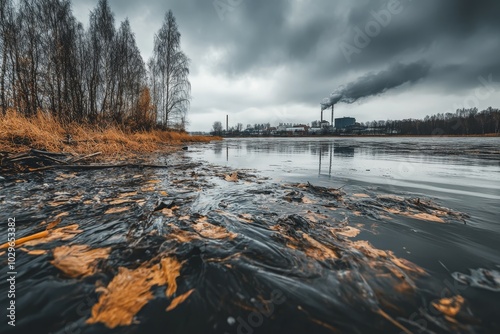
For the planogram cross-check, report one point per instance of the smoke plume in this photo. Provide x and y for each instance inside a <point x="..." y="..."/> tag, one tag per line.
<point x="378" y="83"/>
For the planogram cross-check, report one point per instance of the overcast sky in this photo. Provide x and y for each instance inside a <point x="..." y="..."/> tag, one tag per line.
<point x="275" y="61"/>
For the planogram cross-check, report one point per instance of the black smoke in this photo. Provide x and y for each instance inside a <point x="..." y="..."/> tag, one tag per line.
<point x="376" y="83"/>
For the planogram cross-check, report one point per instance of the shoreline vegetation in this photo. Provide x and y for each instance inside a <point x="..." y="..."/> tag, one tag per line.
<point x="69" y="88"/>
<point x="43" y="132"/>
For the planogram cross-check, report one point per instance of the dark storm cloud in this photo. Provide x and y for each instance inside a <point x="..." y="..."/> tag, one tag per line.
<point x="457" y="39"/>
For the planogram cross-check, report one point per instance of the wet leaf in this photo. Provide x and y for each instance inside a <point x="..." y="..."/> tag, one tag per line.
<point x="130" y="290"/>
<point x="119" y="201"/>
<point x="128" y="194"/>
<point x="361" y="196"/>
<point x="78" y="260"/>
<point x="62" y="233"/>
<point x="117" y="210"/>
<point x="449" y="306"/>
<point x="347" y="231"/>
<point x="37" y="252"/>
<point x="231" y="178"/>
<point x="178" y="300"/>
<point x="317" y="250"/>
<point x="150" y="188"/>
<point x="62" y="177"/>
<point x="210" y="231"/>
<point x="54" y="223"/>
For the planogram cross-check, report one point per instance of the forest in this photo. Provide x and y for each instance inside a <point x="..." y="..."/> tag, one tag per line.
<point x="463" y="122"/>
<point x="51" y="64"/>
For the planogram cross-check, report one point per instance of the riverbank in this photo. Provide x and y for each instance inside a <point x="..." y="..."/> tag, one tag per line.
<point x="43" y="132"/>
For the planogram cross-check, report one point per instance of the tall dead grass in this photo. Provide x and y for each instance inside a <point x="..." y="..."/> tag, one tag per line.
<point x="19" y="133"/>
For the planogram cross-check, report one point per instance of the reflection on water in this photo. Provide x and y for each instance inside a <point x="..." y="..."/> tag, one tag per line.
<point x="462" y="174"/>
<point x="450" y="165"/>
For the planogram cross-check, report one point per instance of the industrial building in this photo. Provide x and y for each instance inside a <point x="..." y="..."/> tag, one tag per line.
<point x="344" y="122"/>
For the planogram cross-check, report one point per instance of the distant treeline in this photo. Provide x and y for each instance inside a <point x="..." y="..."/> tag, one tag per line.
<point x="50" y="63"/>
<point x="463" y="122"/>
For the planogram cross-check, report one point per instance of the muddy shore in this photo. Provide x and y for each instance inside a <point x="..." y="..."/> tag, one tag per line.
<point x="199" y="248"/>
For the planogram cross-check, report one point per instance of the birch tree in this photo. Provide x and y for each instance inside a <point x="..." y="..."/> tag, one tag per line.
<point x="169" y="70"/>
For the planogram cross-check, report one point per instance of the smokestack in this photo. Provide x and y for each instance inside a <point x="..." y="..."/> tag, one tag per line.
<point x="333" y="105"/>
<point x="227" y="123"/>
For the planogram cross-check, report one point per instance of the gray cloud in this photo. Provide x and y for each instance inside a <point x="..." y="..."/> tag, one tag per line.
<point x="288" y="51"/>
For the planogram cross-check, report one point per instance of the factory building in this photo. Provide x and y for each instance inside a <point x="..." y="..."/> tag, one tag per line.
<point x="344" y="122"/>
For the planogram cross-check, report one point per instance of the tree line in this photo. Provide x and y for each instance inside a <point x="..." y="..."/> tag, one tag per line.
<point x="464" y="121"/>
<point x="50" y="63"/>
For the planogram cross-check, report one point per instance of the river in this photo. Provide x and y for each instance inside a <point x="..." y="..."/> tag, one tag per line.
<point x="263" y="235"/>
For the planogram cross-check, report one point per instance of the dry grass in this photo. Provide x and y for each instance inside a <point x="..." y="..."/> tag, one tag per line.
<point x="18" y="133"/>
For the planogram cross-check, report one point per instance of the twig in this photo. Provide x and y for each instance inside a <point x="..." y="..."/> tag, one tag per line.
<point x="54" y="159"/>
<point x="26" y="157"/>
<point x="23" y="240"/>
<point x="17" y="156"/>
<point x="48" y="153"/>
<point x="73" y="160"/>
<point x="90" y="167"/>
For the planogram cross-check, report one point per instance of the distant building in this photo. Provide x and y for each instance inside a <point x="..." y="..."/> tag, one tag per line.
<point x="344" y="122"/>
<point x="315" y="130"/>
<point x="325" y="124"/>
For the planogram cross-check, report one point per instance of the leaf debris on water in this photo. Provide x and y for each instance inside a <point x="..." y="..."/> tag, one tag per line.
<point x="78" y="260"/>
<point x="178" y="300"/>
<point x="130" y="290"/>
<point x="449" y="306"/>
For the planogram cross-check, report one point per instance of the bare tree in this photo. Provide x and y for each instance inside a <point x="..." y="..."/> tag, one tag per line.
<point x="169" y="69"/>
<point x="129" y="73"/>
<point x="217" y="127"/>
<point x="49" y="63"/>
<point x="100" y="38"/>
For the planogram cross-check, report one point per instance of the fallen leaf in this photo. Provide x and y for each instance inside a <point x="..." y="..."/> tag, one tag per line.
<point x="61" y="233"/>
<point x="130" y="290"/>
<point x="37" y="252"/>
<point x="232" y="178"/>
<point x="178" y="300"/>
<point x="346" y="231"/>
<point x="120" y="201"/>
<point x="62" y="177"/>
<point x="78" y="260"/>
<point x="449" y="306"/>
<point x="210" y="231"/>
<point x="54" y="223"/>
<point x="129" y="194"/>
<point x="318" y="250"/>
<point x="117" y="210"/>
